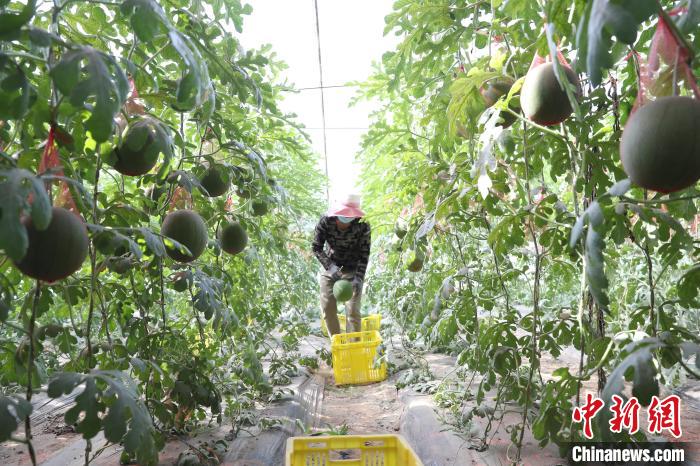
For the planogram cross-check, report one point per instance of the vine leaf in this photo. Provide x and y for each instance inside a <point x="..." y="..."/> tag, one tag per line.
<point x="93" y="79"/>
<point x="153" y="242"/>
<point x="689" y="21"/>
<point x="620" y="188"/>
<point x="206" y="300"/>
<point x="639" y="360"/>
<point x="466" y="103"/>
<point x="11" y="22"/>
<point x="138" y="438"/>
<point x="18" y="184"/>
<point x="604" y="19"/>
<point x="86" y="402"/>
<point x="13" y="410"/>
<point x="594" y="245"/>
<point x="110" y="401"/>
<point x="595" y="266"/>
<point x="689" y="286"/>
<point x="147" y="18"/>
<point x="427" y="226"/>
<point x="149" y="22"/>
<point x="16" y="94"/>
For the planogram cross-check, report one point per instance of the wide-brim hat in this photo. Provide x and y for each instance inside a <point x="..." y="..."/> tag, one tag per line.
<point x="349" y="207"/>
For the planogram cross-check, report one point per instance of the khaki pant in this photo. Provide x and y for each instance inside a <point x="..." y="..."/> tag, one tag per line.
<point x="329" y="306"/>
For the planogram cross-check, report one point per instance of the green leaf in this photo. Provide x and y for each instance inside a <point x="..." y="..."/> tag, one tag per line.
<point x="427" y="226"/>
<point x="87" y="405"/>
<point x="604" y="19"/>
<point x="153" y="242"/>
<point x="577" y="230"/>
<point x="645" y="384"/>
<point x="15" y="188"/>
<point x="13" y="410"/>
<point x="193" y="86"/>
<point x="109" y="401"/>
<point x="620" y="188"/>
<point x="93" y="80"/>
<point x="63" y="383"/>
<point x="41" y="206"/>
<point x="138" y="435"/>
<point x="690" y="20"/>
<point x="689" y="286"/>
<point x="11" y="22"/>
<point x="639" y="359"/>
<point x="147" y="18"/>
<point x="16" y="93"/>
<point x="150" y="21"/>
<point x="595" y="267"/>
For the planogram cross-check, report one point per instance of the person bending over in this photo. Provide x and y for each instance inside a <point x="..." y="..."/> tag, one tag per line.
<point x="342" y="245"/>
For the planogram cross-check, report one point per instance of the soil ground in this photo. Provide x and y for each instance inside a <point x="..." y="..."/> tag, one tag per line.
<point x="325" y="408"/>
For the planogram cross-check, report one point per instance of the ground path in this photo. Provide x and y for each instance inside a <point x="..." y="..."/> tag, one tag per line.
<point x="320" y="406"/>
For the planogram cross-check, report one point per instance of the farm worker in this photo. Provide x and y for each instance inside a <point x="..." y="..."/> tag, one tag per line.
<point x="341" y="244"/>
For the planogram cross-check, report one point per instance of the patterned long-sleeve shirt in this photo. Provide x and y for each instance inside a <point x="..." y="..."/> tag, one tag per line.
<point x="347" y="248"/>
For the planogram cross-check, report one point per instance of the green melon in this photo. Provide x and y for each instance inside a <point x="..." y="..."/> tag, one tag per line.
<point x="415" y="261"/>
<point x="400" y="231"/>
<point x="187" y="228"/>
<point x="140" y="147"/>
<point x="214" y="182"/>
<point x="492" y="91"/>
<point x="119" y="264"/>
<point x="660" y="147"/>
<point x="233" y="238"/>
<point x="57" y="251"/>
<point x="260" y="208"/>
<point x="48" y="330"/>
<point x="187" y="96"/>
<point x="542" y="98"/>
<point x="181" y="281"/>
<point x="342" y="290"/>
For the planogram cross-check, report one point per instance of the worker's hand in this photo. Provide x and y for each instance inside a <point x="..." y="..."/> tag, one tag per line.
<point x="334" y="271"/>
<point x="356" y="285"/>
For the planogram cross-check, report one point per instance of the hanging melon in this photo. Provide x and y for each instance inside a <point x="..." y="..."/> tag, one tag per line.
<point x="660" y="147"/>
<point x="492" y="91"/>
<point x="140" y="147"/>
<point x="214" y="181"/>
<point x="415" y="260"/>
<point x="260" y="208"/>
<point x="187" y="228"/>
<point x="57" y="251"/>
<point x="542" y="98"/>
<point x="233" y="238"/>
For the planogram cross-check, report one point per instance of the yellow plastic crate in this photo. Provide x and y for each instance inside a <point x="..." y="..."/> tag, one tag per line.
<point x="350" y="450"/>
<point x="353" y="358"/>
<point x="371" y="322"/>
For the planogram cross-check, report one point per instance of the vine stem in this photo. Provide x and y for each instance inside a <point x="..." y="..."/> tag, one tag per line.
<point x="93" y="262"/>
<point x="162" y="293"/>
<point x="30" y="369"/>
<point x="199" y="324"/>
<point x="535" y="300"/>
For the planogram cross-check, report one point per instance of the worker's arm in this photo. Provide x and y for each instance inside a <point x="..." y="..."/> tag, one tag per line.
<point x="319" y="240"/>
<point x="363" y="249"/>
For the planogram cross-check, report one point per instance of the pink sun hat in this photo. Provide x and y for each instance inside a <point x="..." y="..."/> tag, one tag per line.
<point x="350" y="207"/>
